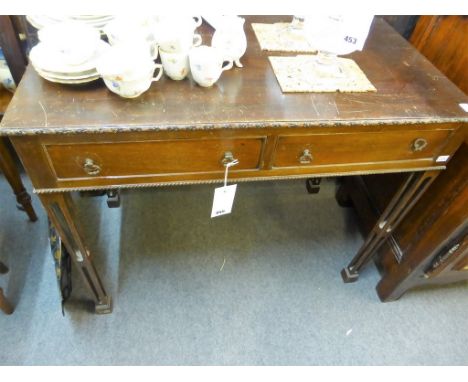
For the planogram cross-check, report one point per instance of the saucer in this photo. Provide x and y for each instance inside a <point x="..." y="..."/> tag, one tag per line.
<point x="43" y="58"/>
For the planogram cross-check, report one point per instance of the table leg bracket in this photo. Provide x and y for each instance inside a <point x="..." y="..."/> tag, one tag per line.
<point x="348" y="276"/>
<point x="104" y="306"/>
<point x="313" y="185"/>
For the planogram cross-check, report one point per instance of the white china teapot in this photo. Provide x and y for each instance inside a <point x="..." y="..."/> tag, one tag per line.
<point x="230" y="39"/>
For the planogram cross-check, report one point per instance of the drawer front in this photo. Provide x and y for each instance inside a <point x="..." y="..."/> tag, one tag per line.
<point x="358" y="148"/>
<point x="168" y="157"/>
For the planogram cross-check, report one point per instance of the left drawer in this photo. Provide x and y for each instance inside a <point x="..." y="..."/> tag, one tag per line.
<point x="151" y="158"/>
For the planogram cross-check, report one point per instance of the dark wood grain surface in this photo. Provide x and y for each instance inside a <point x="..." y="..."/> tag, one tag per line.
<point x="409" y="89"/>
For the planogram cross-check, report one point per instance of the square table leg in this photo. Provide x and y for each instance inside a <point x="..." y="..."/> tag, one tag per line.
<point x="59" y="207"/>
<point x="401" y="203"/>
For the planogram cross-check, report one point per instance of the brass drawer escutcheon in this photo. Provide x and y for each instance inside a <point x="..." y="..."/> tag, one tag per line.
<point x="228" y="158"/>
<point x="419" y="144"/>
<point x="306" y="157"/>
<point x="90" y="167"/>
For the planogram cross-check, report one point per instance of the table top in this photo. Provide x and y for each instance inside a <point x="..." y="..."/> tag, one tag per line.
<point x="409" y="90"/>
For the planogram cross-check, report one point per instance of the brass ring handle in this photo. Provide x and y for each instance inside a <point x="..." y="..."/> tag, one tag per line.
<point x="419" y="144"/>
<point x="306" y="157"/>
<point x="90" y="167"/>
<point x="228" y="158"/>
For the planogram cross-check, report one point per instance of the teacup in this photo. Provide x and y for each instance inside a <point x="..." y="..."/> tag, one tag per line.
<point x="125" y="59"/>
<point x="176" y="65"/>
<point x="127" y="71"/>
<point x="176" y="41"/>
<point x="161" y="24"/>
<point x="176" y="34"/>
<point x="131" y="87"/>
<point x="207" y="64"/>
<point x="123" y="30"/>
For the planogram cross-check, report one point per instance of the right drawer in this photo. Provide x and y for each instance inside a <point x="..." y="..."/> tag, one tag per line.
<point x="358" y="148"/>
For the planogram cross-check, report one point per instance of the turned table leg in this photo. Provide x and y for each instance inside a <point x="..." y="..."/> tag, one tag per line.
<point x="402" y="202"/>
<point x="8" y="166"/>
<point x="59" y="207"/>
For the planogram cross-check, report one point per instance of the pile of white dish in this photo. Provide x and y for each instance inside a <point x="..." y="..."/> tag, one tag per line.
<point x="71" y="51"/>
<point x="67" y="52"/>
<point x="41" y="21"/>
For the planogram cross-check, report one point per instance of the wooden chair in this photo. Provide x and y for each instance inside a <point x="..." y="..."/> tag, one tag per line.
<point x="16" y="59"/>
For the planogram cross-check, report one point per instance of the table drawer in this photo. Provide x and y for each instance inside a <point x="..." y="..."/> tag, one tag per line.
<point x="357" y="148"/>
<point x="166" y="157"/>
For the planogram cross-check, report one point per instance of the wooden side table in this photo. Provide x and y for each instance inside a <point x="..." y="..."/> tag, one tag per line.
<point x="87" y="138"/>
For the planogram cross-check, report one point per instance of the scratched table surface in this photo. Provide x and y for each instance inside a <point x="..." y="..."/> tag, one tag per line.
<point x="409" y="90"/>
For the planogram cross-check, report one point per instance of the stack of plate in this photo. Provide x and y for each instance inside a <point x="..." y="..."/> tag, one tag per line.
<point x="98" y="22"/>
<point x="41" y="21"/>
<point x="49" y="66"/>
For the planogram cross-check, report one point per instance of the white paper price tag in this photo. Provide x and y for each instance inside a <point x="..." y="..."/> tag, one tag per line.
<point x="224" y="196"/>
<point x="442" y="158"/>
<point x="223" y="200"/>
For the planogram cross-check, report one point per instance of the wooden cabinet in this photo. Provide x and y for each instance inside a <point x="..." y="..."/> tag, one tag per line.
<point x="434" y="238"/>
<point x="430" y="246"/>
<point x="451" y="259"/>
<point x="443" y="40"/>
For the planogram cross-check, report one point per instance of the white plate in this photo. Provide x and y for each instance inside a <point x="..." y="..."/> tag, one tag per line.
<point x="42" y="59"/>
<point x="65" y="76"/>
<point x="70" y="82"/>
<point x="40" y="21"/>
<point x="91" y="17"/>
<point x="71" y="76"/>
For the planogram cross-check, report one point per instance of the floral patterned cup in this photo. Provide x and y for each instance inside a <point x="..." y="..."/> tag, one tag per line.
<point x="176" y="34"/>
<point x="131" y="87"/>
<point x="128" y="72"/>
<point x="207" y="64"/>
<point x="176" y="65"/>
<point x="132" y="30"/>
